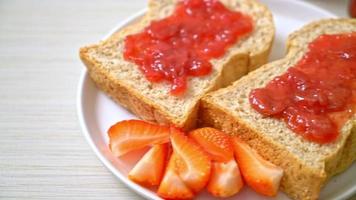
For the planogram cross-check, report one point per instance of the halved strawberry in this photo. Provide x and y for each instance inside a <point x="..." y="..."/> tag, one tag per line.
<point x="193" y="164"/>
<point x="172" y="186"/>
<point x="261" y="175"/>
<point x="225" y="179"/>
<point x="129" y="135"/>
<point x="216" y="143"/>
<point x="150" y="168"/>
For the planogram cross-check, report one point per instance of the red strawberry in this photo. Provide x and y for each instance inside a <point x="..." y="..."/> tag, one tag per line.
<point x="225" y="177"/>
<point x="150" y="168"/>
<point x="225" y="180"/>
<point x="172" y="186"/>
<point x="218" y="144"/>
<point x="261" y="175"/>
<point x="126" y="136"/>
<point x="193" y="164"/>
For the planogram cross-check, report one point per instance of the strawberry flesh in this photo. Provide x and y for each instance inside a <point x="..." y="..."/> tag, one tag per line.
<point x="225" y="180"/>
<point x="216" y="143"/>
<point x="129" y="135"/>
<point x="192" y="162"/>
<point x="261" y="175"/>
<point x="150" y="168"/>
<point x="172" y="186"/>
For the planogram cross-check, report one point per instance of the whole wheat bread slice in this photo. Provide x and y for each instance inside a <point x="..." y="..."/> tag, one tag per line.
<point x="125" y="84"/>
<point x="307" y="165"/>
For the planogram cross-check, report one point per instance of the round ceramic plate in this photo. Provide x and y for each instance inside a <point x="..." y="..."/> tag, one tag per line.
<point x="97" y="112"/>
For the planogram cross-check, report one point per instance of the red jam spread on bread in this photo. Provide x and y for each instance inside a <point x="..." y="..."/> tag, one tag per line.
<point x="316" y="96"/>
<point x="181" y="45"/>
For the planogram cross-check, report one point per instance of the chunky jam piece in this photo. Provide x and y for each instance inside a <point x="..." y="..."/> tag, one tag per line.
<point x="317" y="95"/>
<point x="182" y="44"/>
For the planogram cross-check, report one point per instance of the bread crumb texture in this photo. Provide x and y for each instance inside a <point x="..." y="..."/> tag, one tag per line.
<point x="307" y="165"/>
<point x="107" y="59"/>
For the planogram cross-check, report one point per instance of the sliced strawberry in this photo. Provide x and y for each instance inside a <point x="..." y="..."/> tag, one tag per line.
<point x="150" y="168"/>
<point x="261" y="175"/>
<point x="172" y="186"/>
<point x="225" y="179"/>
<point x="129" y="135"/>
<point x="216" y="143"/>
<point x="193" y="163"/>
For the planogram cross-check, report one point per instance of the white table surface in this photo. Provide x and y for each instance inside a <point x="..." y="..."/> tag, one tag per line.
<point x="43" y="154"/>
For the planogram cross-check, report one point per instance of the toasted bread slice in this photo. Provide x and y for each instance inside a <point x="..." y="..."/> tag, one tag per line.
<point x="307" y="165"/>
<point x="125" y="83"/>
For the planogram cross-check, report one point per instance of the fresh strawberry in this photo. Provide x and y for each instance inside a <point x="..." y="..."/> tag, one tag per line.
<point x="150" y="168"/>
<point x="193" y="164"/>
<point x="129" y="135"/>
<point x="172" y="186"/>
<point x="225" y="179"/>
<point x="216" y="143"/>
<point x="261" y="175"/>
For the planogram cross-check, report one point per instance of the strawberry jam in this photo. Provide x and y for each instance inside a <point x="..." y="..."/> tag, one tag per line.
<point x="317" y="95"/>
<point x="181" y="45"/>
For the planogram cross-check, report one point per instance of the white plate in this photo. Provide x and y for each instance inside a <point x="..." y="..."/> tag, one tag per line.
<point x="97" y="112"/>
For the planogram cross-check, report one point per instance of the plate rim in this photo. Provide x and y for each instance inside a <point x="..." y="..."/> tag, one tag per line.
<point x="84" y="126"/>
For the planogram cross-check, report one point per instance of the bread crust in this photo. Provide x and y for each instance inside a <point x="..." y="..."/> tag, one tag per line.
<point x="146" y="108"/>
<point x="126" y="96"/>
<point x="300" y="181"/>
